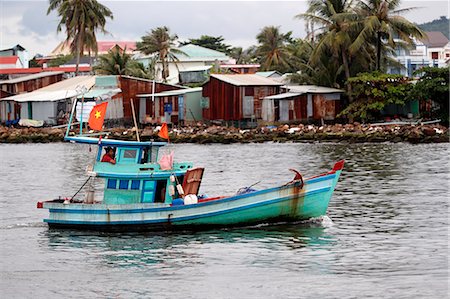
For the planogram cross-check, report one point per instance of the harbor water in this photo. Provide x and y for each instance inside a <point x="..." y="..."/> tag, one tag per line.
<point x="385" y="235"/>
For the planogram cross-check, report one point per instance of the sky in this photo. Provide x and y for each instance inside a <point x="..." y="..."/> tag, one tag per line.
<point x="27" y="23"/>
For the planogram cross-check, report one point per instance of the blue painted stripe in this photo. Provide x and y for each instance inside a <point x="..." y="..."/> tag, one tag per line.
<point x="150" y="210"/>
<point x="179" y="219"/>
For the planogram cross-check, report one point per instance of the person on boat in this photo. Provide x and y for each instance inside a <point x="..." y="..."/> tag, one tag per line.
<point x="109" y="156"/>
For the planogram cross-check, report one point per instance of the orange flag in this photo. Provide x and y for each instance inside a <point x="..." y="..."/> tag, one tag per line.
<point x="97" y="116"/>
<point x="164" y="132"/>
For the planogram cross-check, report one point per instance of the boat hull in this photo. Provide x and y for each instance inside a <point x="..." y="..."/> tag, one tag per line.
<point x="292" y="202"/>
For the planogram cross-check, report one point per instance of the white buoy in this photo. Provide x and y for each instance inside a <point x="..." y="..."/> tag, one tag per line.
<point x="180" y="189"/>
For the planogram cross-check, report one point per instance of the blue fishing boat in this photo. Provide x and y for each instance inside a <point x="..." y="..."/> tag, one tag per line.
<point x="145" y="189"/>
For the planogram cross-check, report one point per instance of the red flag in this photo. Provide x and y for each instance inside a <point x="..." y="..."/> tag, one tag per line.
<point x="97" y="116"/>
<point x="164" y="131"/>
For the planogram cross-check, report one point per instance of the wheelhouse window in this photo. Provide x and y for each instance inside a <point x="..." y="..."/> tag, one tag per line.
<point x="135" y="184"/>
<point x="129" y="154"/>
<point x="123" y="184"/>
<point x="112" y="183"/>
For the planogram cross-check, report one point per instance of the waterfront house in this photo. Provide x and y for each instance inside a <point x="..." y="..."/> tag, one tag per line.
<point x="181" y="106"/>
<point x="236" y="99"/>
<point x="120" y="92"/>
<point x="30" y="82"/>
<point x="50" y="103"/>
<point x="132" y="87"/>
<point x="302" y="103"/>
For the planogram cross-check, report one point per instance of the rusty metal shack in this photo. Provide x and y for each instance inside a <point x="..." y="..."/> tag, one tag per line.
<point x="179" y="107"/>
<point x="132" y="86"/>
<point x="30" y="82"/>
<point x="302" y="103"/>
<point x="236" y="98"/>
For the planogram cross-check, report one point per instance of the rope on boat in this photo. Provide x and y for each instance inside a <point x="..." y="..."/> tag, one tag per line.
<point x="81" y="188"/>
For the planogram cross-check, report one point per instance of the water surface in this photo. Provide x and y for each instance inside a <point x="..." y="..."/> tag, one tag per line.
<point x="385" y="236"/>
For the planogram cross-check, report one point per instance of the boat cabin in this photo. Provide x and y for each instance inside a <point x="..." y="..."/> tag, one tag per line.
<point x="143" y="173"/>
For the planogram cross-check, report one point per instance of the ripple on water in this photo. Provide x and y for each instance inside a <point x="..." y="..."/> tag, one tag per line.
<point x="385" y="235"/>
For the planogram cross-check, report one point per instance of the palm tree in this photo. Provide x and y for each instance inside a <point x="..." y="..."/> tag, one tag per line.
<point x="334" y="17"/>
<point x="118" y="62"/>
<point x="272" y="48"/>
<point x="81" y="19"/>
<point x="382" y="24"/>
<point x="161" y="42"/>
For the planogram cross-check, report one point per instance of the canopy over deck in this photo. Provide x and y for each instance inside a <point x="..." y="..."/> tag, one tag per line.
<point x="113" y="142"/>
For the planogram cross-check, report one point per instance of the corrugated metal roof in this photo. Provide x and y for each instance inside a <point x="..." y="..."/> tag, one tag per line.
<point x="61" y="90"/>
<point x="198" y="53"/>
<point x="171" y="92"/>
<point x="30" y="77"/>
<point x="435" y="39"/>
<point x="101" y="93"/>
<point x="42" y="96"/>
<point x="268" y="74"/>
<point x="283" y="96"/>
<point x="312" y="89"/>
<point x="71" y="84"/>
<point x="246" y="80"/>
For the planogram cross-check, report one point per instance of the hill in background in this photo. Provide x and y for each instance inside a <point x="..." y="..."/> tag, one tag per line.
<point x="441" y="25"/>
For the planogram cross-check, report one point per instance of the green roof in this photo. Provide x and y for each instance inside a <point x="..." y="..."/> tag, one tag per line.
<point x="195" y="52"/>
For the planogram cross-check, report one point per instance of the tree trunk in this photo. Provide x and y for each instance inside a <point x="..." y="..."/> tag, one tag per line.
<point x="78" y="55"/>
<point x="378" y="63"/>
<point x="347" y="73"/>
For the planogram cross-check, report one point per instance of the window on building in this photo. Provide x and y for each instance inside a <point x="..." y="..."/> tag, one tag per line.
<point x="434" y="55"/>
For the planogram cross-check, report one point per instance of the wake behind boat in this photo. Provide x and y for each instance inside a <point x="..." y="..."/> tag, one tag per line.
<point x="145" y="189"/>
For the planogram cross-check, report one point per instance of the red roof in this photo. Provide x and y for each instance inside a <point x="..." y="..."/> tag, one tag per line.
<point x="105" y="46"/>
<point x="8" y="59"/>
<point x="33" y="70"/>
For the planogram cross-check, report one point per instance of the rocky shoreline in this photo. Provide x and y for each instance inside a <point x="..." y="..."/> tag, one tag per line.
<point x="352" y="133"/>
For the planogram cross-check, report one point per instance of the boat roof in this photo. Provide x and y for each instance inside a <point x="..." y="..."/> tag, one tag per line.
<point x="113" y="142"/>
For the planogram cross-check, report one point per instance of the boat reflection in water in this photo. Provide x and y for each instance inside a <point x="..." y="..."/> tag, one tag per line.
<point x="186" y="248"/>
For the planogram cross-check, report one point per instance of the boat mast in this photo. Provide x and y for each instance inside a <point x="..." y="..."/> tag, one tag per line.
<point x="71" y="116"/>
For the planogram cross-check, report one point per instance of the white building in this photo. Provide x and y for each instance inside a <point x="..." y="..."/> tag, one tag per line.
<point x="433" y="51"/>
<point x="15" y="57"/>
